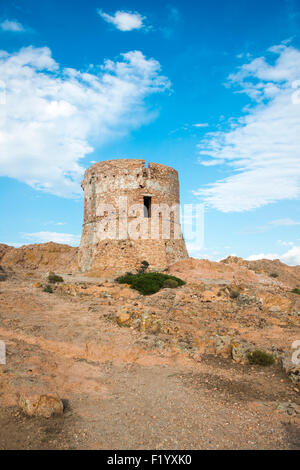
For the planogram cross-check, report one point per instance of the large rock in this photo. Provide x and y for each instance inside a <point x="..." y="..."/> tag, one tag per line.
<point x="3" y="275"/>
<point x="42" y="257"/>
<point x="45" y="405"/>
<point x="124" y="319"/>
<point x="289" y="275"/>
<point x="239" y="351"/>
<point x="196" y="270"/>
<point x="223" y="345"/>
<point x="275" y="302"/>
<point x="150" y="324"/>
<point x="289" y="408"/>
<point x="291" y="369"/>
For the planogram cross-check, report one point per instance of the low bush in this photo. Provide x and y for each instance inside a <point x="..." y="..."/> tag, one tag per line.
<point x="148" y="283"/>
<point x="234" y="293"/>
<point x="170" y="284"/>
<point x="296" y="291"/>
<point x="260" y="358"/>
<point x="53" y="278"/>
<point x="48" y="289"/>
<point x="274" y="275"/>
<point x="143" y="268"/>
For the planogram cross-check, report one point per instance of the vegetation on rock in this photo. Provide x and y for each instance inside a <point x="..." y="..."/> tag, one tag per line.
<point x="296" y="291"/>
<point x="53" y="278"/>
<point x="48" y="289"/>
<point x="148" y="283"/>
<point x="234" y="293"/>
<point x="260" y="358"/>
<point x="170" y="284"/>
<point x="144" y="267"/>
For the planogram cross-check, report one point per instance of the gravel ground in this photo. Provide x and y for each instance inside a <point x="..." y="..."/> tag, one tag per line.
<point x="118" y="395"/>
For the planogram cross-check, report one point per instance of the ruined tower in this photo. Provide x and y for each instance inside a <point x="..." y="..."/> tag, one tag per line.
<point x="130" y="216"/>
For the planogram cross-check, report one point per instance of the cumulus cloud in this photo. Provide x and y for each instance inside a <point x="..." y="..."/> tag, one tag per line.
<point x="124" y="20"/>
<point x="262" y="147"/>
<point x="291" y="257"/>
<point x="270" y="256"/>
<point x="12" y="26"/>
<point x="52" y="117"/>
<point x="44" y="237"/>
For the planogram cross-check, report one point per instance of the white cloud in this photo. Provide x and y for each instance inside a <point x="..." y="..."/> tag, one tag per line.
<point x="124" y="20"/>
<point x="44" y="237"/>
<point x="263" y="147"/>
<point x="284" y="222"/>
<point x="291" y="257"/>
<point x="203" y="124"/>
<point x="12" y="26"/>
<point x="54" y="117"/>
<point x="14" y="244"/>
<point x="211" y="162"/>
<point x="270" y="256"/>
<point x="284" y="243"/>
<point x="51" y="222"/>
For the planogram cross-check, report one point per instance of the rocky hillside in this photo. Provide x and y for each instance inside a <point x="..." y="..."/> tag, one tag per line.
<point x="41" y="257"/>
<point x="161" y="371"/>
<point x="63" y="258"/>
<point x="197" y="270"/>
<point x="274" y="269"/>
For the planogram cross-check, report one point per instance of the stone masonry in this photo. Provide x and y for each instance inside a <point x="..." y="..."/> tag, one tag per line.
<point x="125" y="191"/>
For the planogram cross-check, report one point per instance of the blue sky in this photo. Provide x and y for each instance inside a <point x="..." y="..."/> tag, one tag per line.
<point x="210" y="88"/>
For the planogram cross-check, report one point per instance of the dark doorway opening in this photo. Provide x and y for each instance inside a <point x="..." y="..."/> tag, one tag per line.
<point x="147" y="206"/>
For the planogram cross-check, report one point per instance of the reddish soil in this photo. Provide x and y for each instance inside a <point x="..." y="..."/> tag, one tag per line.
<point x="125" y="388"/>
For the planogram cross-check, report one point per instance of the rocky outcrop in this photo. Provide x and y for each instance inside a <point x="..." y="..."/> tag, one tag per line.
<point x="41" y="257"/>
<point x="274" y="269"/>
<point x="45" y="405"/>
<point x="194" y="270"/>
<point x="3" y="275"/>
<point x="291" y="368"/>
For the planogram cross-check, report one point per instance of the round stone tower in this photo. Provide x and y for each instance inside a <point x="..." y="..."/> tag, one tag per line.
<point x="131" y="214"/>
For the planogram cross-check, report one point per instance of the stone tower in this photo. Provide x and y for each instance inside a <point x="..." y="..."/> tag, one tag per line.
<point x="129" y="217"/>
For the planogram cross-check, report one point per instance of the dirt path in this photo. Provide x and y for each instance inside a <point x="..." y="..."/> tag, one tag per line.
<point x="119" y="395"/>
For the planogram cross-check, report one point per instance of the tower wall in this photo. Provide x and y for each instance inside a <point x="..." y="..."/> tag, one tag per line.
<point x="105" y="183"/>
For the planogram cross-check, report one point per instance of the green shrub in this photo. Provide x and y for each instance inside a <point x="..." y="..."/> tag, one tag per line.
<point x="48" y="289"/>
<point x="146" y="286"/>
<point x="126" y="279"/>
<point x="148" y="283"/>
<point x="144" y="266"/>
<point x="296" y="291"/>
<point x="274" y="275"/>
<point x="170" y="284"/>
<point x="53" y="278"/>
<point x="234" y="293"/>
<point x="260" y="358"/>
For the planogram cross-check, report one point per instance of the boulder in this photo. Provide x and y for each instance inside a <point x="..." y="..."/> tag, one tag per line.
<point x="239" y="351"/>
<point x="290" y="368"/>
<point x="289" y="408"/>
<point x="3" y="275"/>
<point x="124" y="319"/>
<point x="223" y="345"/>
<point x="45" y="405"/>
